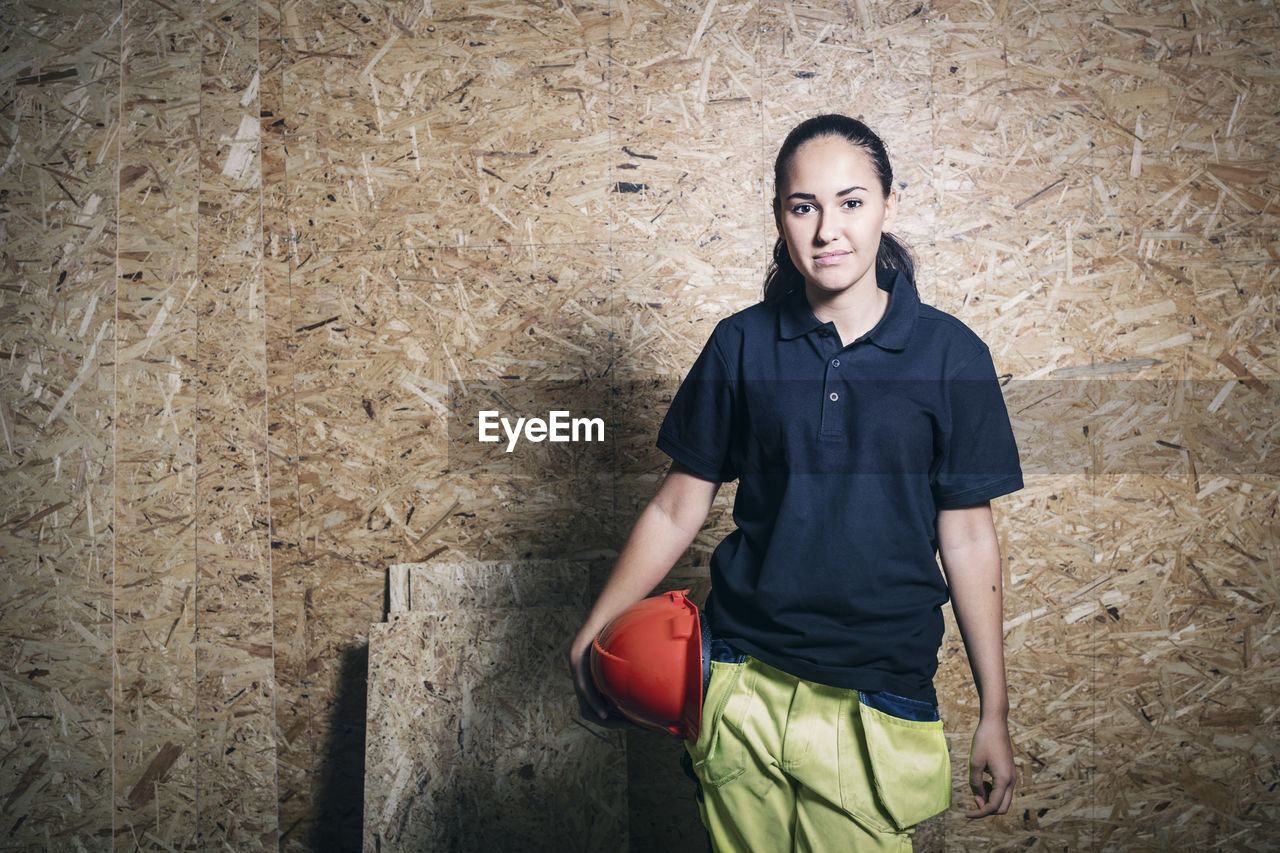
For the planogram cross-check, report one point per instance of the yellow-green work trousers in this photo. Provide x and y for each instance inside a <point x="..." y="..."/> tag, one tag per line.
<point x="785" y="764"/>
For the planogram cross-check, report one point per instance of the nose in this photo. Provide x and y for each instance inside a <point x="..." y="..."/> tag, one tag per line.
<point x="825" y="232"/>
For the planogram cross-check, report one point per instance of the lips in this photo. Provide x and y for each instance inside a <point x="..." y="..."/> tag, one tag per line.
<point x="830" y="257"/>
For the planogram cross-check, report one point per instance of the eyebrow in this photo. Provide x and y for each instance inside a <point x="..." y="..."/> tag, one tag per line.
<point x="812" y="197"/>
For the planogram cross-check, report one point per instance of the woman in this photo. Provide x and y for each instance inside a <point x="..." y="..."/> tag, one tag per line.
<point x="868" y="434"/>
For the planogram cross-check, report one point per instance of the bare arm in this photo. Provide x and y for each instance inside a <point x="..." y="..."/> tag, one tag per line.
<point x="663" y="531"/>
<point x="971" y="557"/>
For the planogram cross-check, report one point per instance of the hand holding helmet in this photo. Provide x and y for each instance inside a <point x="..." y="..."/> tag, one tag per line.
<point x="649" y="663"/>
<point x="591" y="704"/>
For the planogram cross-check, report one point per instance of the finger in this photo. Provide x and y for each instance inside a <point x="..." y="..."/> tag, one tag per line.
<point x="985" y="807"/>
<point x="980" y="803"/>
<point x="1004" y="793"/>
<point x="590" y="702"/>
<point x="978" y="782"/>
<point x="984" y="802"/>
<point x="591" y="710"/>
<point x="1007" y="800"/>
<point x="992" y="799"/>
<point x="593" y="704"/>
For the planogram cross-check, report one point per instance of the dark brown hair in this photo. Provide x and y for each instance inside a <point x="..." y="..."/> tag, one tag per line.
<point x="783" y="277"/>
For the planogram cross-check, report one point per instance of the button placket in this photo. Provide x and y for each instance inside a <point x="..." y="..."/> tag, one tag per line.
<point x="832" y="423"/>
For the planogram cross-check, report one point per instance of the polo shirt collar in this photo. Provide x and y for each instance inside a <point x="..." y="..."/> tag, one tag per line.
<point x="796" y="318"/>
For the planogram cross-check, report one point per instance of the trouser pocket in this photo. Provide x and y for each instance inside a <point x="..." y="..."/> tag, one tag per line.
<point x="719" y="759"/>
<point x="910" y="764"/>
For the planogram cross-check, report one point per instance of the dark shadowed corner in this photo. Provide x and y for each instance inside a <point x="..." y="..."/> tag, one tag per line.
<point x="339" y="824"/>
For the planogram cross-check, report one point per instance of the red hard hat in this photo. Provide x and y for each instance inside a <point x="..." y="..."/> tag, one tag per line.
<point x="650" y="663"/>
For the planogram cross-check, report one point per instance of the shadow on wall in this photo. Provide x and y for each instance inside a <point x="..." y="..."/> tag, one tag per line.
<point x="552" y="814"/>
<point x="661" y="796"/>
<point x="525" y="774"/>
<point x="339" y="824"/>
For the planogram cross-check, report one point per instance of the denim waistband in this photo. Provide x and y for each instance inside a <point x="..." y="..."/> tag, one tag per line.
<point x="724" y="653"/>
<point x="901" y="707"/>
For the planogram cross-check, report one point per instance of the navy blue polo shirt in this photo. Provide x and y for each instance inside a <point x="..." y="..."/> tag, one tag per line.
<point x="844" y="453"/>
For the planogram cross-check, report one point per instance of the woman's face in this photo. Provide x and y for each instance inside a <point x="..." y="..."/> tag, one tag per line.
<point x="831" y="211"/>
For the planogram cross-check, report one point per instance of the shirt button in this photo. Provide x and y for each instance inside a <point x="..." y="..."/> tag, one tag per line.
<point x="834" y="396"/>
<point x="835" y="362"/>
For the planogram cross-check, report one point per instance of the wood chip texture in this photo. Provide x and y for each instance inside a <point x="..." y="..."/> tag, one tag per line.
<point x="262" y="262"/>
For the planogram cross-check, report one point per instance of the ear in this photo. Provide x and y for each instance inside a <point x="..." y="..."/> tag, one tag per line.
<point x="890" y="210"/>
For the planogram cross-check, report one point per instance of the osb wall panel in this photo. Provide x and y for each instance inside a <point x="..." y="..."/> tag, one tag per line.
<point x="685" y="106"/>
<point x="155" y="590"/>
<point x="1105" y="214"/>
<point x="235" y="730"/>
<point x="296" y="752"/>
<point x="414" y="116"/>
<point x="383" y="344"/>
<point x="60" y="83"/>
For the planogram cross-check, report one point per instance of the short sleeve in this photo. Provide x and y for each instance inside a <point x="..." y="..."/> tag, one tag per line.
<point x="698" y="429"/>
<point x="978" y="458"/>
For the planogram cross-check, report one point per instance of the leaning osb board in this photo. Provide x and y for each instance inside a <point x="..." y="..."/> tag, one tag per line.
<point x="450" y="582"/>
<point x="661" y="811"/>
<point x="473" y="740"/>
<point x="155" y="601"/>
<point x="59" y="83"/>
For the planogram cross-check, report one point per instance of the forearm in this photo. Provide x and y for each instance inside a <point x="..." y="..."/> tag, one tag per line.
<point x="662" y="533"/>
<point x="653" y="547"/>
<point x="971" y="556"/>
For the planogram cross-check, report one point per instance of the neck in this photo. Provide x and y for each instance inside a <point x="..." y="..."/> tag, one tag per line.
<point x="854" y="311"/>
